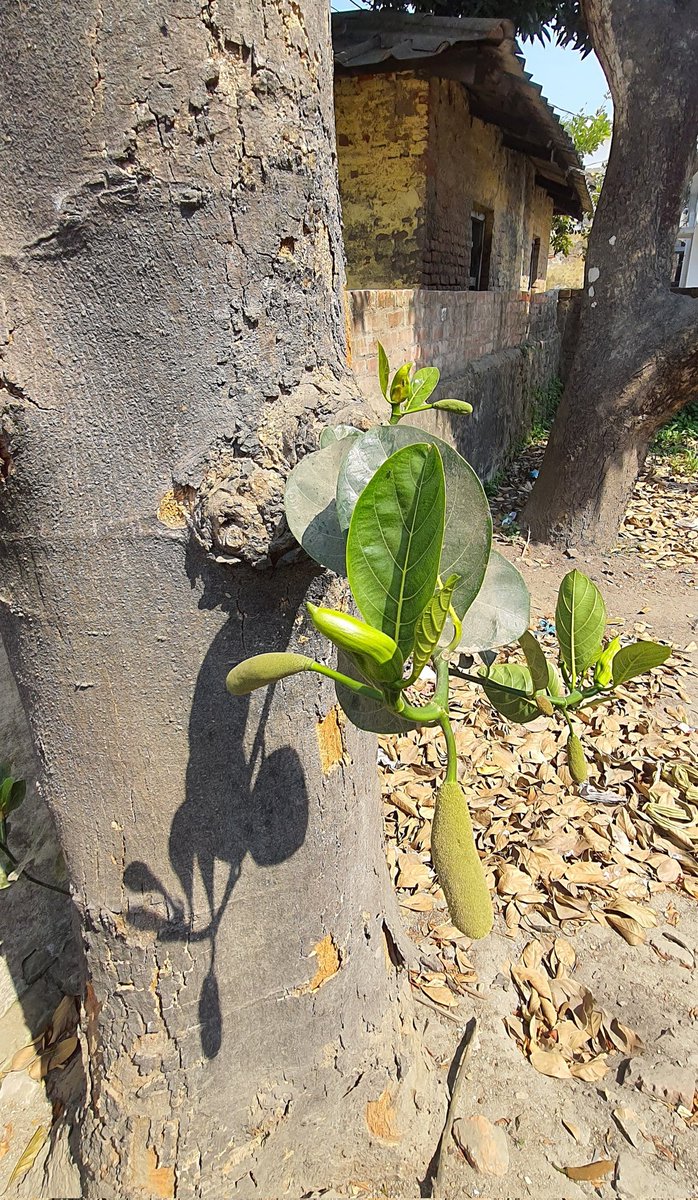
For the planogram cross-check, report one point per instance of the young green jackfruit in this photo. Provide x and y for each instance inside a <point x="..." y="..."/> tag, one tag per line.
<point x="264" y="669"/>
<point x="575" y="759"/>
<point x="458" y="865"/>
<point x="544" y="704"/>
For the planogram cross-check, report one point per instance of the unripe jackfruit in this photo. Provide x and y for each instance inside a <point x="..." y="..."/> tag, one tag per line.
<point x="264" y="669"/>
<point x="544" y="704"/>
<point x="458" y="865"/>
<point x="575" y="758"/>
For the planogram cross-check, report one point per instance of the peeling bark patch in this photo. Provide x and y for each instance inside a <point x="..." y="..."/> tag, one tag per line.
<point x="171" y="510"/>
<point x="330" y="741"/>
<point x="381" y="1118"/>
<point x="329" y="960"/>
<point x="160" y="1180"/>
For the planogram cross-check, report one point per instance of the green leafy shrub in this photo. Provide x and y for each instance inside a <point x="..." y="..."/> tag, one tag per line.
<point x="405" y="518"/>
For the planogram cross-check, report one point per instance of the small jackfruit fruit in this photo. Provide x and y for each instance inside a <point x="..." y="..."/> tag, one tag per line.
<point x="264" y="669"/>
<point x="544" y="704"/>
<point x="575" y="759"/>
<point x="458" y="865"/>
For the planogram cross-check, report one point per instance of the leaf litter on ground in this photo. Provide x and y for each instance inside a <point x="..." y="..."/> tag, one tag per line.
<point x="555" y="855"/>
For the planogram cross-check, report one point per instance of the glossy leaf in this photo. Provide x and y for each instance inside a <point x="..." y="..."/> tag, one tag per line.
<point x="500" y="612"/>
<point x="468" y="525"/>
<point x="636" y="659"/>
<point x="511" y="675"/>
<point x="430" y="625"/>
<point x="424" y="382"/>
<point x="364" y="712"/>
<point x="580" y="621"/>
<point x="310" y="505"/>
<point x="336" y="433"/>
<point x="394" y="541"/>
<point x="12" y="794"/>
<point x="383" y="370"/>
<point x="537" y="662"/>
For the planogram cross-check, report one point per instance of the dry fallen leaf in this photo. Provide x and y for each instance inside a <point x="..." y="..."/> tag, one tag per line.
<point x="591" y="1173"/>
<point x="550" y="1062"/>
<point x="28" y="1156"/>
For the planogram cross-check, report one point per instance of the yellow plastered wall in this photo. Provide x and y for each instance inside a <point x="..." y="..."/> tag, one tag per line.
<point x="413" y="164"/>
<point x="382" y="138"/>
<point x="541" y="217"/>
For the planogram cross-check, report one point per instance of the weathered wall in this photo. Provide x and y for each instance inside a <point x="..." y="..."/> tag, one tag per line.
<point x="382" y="131"/>
<point x="446" y="329"/>
<point x="503" y="390"/>
<point x="494" y="349"/>
<point x="413" y="164"/>
<point x="470" y="168"/>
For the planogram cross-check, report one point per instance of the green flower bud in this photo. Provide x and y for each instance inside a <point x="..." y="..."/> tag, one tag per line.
<point x="457" y="863"/>
<point x="575" y="758"/>
<point x="603" y="671"/>
<point x="264" y="669"/>
<point x="376" y="652"/>
<point x="399" y="388"/>
<point x="457" y="406"/>
<point x="544" y="704"/>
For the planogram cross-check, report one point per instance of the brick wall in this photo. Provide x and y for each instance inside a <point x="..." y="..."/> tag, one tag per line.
<point x="445" y="329"/>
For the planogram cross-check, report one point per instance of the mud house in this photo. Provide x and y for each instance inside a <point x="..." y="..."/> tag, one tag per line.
<point x="451" y="167"/>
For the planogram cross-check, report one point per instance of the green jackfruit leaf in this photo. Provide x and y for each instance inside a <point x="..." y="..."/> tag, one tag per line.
<point x="501" y="610"/>
<point x="383" y="370"/>
<point x="336" y="433"/>
<point x="310" y="505"/>
<point x="362" y="711"/>
<point x="537" y="662"/>
<point x="580" y="621"/>
<point x="603" y="671"/>
<point x="12" y="794"/>
<point x="423" y="384"/>
<point x="636" y="659"/>
<point x="468" y="525"/>
<point x="395" y="540"/>
<point x="510" y="675"/>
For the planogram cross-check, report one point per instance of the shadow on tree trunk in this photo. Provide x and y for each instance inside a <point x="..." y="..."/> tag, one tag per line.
<point x="236" y="803"/>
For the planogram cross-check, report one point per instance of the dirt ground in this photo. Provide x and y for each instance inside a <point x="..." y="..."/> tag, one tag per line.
<point x="623" y="1106"/>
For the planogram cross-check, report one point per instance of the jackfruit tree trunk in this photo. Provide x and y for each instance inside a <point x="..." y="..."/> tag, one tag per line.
<point x="172" y="339"/>
<point x="636" y="359"/>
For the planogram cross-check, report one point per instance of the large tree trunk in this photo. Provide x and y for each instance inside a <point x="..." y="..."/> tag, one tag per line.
<point x="636" y="360"/>
<point x="173" y="339"/>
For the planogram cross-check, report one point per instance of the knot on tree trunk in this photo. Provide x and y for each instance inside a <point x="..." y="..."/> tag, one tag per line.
<point x="236" y="488"/>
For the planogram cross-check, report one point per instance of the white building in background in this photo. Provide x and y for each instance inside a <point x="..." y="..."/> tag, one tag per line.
<point x="687" y="240"/>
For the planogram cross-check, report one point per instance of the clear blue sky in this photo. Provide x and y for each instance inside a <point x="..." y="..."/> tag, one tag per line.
<point x="568" y="80"/>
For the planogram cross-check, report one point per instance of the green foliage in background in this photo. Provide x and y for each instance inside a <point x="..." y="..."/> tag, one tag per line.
<point x="557" y="20"/>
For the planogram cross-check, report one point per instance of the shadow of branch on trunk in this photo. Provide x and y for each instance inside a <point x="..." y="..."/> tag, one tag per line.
<point x="238" y="801"/>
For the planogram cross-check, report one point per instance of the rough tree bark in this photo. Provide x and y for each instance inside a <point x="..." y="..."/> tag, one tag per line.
<point x="636" y="360"/>
<point x="172" y="339"/>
